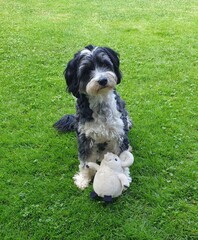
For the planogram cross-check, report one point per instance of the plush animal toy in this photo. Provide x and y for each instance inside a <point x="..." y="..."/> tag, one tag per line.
<point x="110" y="179"/>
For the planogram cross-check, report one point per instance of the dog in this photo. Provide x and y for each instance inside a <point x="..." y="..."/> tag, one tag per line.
<point x="101" y="120"/>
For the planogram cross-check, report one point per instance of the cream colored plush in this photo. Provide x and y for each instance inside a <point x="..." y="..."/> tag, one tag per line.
<point x="110" y="179"/>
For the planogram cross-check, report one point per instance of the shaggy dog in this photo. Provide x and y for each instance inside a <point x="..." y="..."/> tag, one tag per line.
<point x="101" y="121"/>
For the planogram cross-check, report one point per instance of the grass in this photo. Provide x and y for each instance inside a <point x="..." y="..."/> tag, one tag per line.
<point x="157" y="42"/>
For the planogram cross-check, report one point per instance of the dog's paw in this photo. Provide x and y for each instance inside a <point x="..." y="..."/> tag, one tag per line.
<point x="81" y="181"/>
<point x="127" y="173"/>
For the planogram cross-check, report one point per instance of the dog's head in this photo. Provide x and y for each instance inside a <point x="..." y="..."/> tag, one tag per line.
<point x="93" y="71"/>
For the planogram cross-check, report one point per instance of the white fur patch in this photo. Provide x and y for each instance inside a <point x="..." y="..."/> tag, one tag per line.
<point x="107" y="124"/>
<point x="83" y="177"/>
<point x="81" y="181"/>
<point x="85" y="52"/>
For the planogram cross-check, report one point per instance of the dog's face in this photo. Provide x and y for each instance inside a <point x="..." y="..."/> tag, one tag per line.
<point x="93" y="71"/>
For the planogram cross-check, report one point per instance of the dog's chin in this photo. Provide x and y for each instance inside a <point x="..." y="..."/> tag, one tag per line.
<point x="104" y="90"/>
<point x="99" y="90"/>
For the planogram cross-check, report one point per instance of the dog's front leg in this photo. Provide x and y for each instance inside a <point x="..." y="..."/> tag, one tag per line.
<point x="83" y="177"/>
<point x="86" y="154"/>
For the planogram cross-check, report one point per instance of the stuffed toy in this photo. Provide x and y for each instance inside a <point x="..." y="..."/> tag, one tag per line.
<point x="110" y="179"/>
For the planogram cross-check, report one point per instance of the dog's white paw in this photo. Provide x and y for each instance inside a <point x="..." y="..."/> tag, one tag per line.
<point x="127" y="173"/>
<point x="81" y="181"/>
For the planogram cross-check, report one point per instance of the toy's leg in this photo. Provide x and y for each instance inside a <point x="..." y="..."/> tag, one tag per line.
<point x="108" y="199"/>
<point x="93" y="195"/>
<point x="124" y="181"/>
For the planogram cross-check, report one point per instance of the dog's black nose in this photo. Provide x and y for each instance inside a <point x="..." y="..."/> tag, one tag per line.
<point x="103" y="82"/>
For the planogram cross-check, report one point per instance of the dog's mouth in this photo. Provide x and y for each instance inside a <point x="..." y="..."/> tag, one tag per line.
<point x="104" y="88"/>
<point x="106" y="84"/>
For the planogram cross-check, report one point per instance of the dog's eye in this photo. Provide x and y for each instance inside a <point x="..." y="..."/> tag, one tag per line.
<point x="106" y="64"/>
<point x="116" y="159"/>
<point x="85" y="70"/>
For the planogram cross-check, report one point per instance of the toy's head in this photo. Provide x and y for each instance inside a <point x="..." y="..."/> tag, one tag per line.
<point x="112" y="161"/>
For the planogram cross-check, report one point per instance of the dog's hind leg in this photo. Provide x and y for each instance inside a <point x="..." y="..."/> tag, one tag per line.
<point x="66" y="124"/>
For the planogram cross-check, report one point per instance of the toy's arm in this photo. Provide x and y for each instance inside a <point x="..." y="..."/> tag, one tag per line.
<point x="127" y="158"/>
<point x="92" y="165"/>
<point x="124" y="181"/>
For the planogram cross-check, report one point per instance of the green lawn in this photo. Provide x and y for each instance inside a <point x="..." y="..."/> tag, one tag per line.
<point x="158" y="44"/>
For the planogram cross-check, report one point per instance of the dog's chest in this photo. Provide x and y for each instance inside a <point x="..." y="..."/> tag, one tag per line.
<point x="107" y="124"/>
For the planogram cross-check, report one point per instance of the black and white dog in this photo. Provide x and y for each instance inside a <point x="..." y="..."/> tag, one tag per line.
<point x="101" y="121"/>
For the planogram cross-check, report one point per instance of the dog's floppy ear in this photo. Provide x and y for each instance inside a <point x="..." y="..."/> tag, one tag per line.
<point x="71" y="77"/>
<point x="114" y="56"/>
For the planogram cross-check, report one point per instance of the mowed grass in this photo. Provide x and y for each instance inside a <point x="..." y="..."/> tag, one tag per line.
<point x="157" y="42"/>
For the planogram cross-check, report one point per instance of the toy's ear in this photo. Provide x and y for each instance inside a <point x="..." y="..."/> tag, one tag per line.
<point x="71" y="77"/>
<point x="114" y="57"/>
<point x="106" y="156"/>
